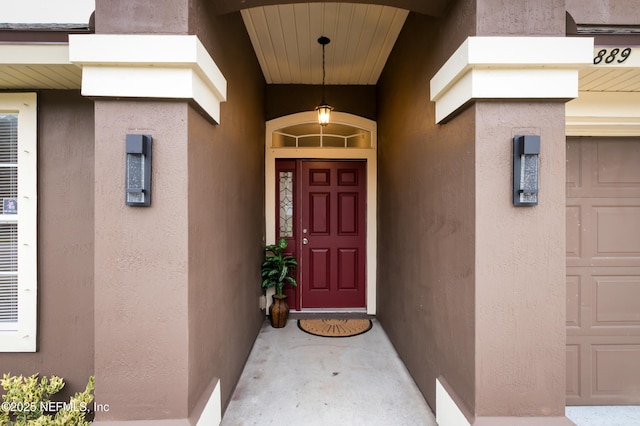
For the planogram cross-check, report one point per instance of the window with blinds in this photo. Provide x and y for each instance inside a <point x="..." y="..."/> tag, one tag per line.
<point x="18" y="263"/>
<point x="9" y="227"/>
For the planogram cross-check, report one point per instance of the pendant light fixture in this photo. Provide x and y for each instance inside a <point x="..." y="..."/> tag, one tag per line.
<point x="324" y="109"/>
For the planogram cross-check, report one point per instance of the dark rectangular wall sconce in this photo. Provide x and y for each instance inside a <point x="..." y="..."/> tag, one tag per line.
<point x="526" y="150"/>
<point x="138" y="170"/>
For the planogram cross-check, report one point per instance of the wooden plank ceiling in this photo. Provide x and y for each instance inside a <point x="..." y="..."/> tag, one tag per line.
<point x="285" y="40"/>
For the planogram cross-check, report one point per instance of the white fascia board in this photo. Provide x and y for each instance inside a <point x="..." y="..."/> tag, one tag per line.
<point x="529" y="84"/>
<point x="510" y="68"/>
<point x="149" y="66"/>
<point x="603" y="114"/>
<point x="34" y="54"/>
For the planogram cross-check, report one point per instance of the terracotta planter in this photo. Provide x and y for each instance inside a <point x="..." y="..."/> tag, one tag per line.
<point x="279" y="311"/>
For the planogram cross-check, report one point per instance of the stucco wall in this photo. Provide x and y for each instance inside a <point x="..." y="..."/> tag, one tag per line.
<point x="520" y="297"/>
<point x="520" y="289"/>
<point x="426" y="212"/>
<point x="65" y="244"/>
<point x="226" y="210"/>
<point x="192" y="259"/>
<point x="607" y="12"/>
<point x="141" y="265"/>
<point x="520" y="18"/>
<point x="284" y="99"/>
<point x="456" y="295"/>
<point x="142" y="17"/>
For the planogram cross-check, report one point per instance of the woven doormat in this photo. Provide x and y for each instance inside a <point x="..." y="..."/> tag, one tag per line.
<point x="335" y="327"/>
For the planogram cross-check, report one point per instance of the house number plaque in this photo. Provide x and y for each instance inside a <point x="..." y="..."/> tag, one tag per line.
<point x="612" y="55"/>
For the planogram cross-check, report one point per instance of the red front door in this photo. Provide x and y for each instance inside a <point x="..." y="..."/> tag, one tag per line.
<point x="332" y="234"/>
<point x="321" y="212"/>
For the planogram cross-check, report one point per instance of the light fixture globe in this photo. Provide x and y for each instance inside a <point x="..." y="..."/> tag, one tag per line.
<point x="324" y="113"/>
<point x="324" y="109"/>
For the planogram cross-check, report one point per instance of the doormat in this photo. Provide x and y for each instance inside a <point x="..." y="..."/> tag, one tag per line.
<point x="335" y="327"/>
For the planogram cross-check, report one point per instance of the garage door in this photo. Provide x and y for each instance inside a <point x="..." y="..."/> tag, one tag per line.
<point x="603" y="271"/>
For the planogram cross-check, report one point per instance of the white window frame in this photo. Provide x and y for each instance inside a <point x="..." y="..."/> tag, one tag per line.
<point x="21" y="336"/>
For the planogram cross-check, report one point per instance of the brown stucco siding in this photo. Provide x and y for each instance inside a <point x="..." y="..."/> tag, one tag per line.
<point x="520" y="18"/>
<point x="195" y="284"/>
<point x="284" y="99"/>
<point x="520" y="266"/>
<point x="65" y="244"/>
<point x="142" y="17"/>
<point x="426" y="213"/>
<point x="604" y="12"/>
<point x="520" y="290"/>
<point x="445" y="208"/>
<point x="226" y="210"/>
<point x="141" y="261"/>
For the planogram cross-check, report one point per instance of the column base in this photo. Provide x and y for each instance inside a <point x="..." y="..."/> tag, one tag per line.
<point x="451" y="411"/>
<point x="522" y="421"/>
<point x="207" y="411"/>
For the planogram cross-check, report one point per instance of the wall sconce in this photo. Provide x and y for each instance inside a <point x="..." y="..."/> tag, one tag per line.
<point x="138" y="170"/>
<point x="526" y="150"/>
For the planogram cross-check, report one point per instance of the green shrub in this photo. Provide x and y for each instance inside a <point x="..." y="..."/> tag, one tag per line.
<point x="27" y="402"/>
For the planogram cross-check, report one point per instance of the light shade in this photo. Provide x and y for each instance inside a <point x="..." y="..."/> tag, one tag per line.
<point x="324" y="114"/>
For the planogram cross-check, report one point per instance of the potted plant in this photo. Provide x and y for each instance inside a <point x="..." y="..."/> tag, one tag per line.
<point x="276" y="270"/>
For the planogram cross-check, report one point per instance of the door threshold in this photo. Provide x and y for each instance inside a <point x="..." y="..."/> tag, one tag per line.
<point x="330" y="313"/>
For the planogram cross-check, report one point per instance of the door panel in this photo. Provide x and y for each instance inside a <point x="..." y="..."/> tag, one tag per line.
<point x="603" y="271"/>
<point x="319" y="206"/>
<point x="333" y="195"/>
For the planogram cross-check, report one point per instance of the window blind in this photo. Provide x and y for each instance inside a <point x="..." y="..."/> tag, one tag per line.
<point x="8" y="218"/>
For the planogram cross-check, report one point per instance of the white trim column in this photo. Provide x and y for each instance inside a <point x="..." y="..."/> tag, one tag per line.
<point x="149" y="66"/>
<point x="487" y="68"/>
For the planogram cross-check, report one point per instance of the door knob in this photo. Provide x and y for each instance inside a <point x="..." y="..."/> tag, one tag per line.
<point x="305" y="241"/>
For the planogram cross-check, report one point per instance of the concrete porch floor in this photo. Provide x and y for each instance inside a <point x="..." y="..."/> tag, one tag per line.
<point x="292" y="377"/>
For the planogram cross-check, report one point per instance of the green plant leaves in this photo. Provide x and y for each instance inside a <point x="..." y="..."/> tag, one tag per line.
<point x="27" y="399"/>
<point x="277" y="268"/>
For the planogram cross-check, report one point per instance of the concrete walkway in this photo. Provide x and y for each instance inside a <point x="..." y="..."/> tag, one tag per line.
<point x="294" y="378"/>
<point x="612" y="415"/>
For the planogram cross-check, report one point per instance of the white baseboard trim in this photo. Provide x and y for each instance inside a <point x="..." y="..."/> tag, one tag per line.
<point x="210" y="406"/>
<point x="447" y="411"/>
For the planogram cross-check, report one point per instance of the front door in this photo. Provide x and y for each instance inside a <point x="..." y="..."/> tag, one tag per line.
<point x="333" y="234"/>
<point x="329" y="233"/>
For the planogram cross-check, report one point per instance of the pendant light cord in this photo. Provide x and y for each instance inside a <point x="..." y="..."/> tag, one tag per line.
<point x="323" y="74"/>
<point x="323" y="41"/>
